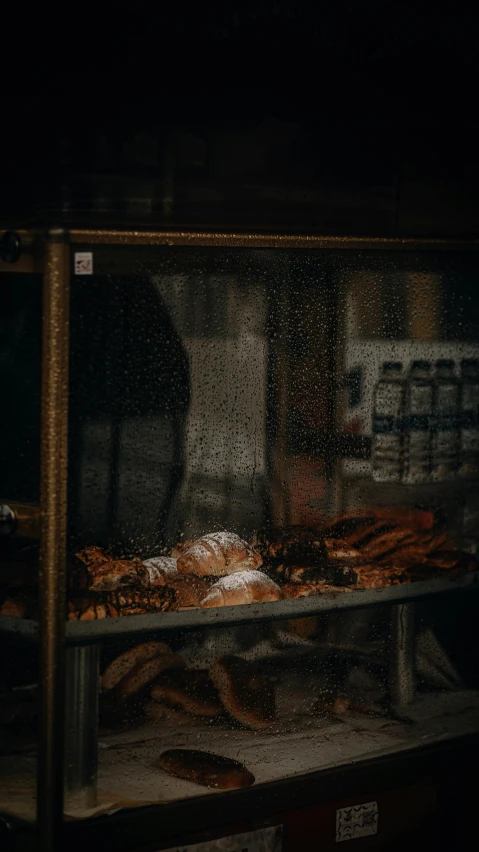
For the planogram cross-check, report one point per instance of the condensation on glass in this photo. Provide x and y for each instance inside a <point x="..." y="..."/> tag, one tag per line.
<point x="264" y="393"/>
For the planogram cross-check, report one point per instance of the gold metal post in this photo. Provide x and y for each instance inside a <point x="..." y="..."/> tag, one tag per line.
<point x="53" y="518"/>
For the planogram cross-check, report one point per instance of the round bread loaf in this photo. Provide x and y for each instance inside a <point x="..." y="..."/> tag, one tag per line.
<point x="205" y="768"/>
<point x="126" y="662"/>
<point x="246" y="694"/>
<point x="245" y="587"/>
<point x="190" y="691"/>
<point x="144" y="673"/>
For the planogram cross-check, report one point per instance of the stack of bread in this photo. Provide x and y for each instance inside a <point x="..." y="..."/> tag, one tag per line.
<point x="154" y="679"/>
<point x="218" y="569"/>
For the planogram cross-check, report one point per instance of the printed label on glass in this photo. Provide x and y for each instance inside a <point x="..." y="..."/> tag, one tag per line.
<point x="356" y="821"/>
<point x="83" y="263"/>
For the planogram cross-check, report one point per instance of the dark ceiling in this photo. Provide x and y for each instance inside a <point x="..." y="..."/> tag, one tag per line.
<point x="365" y="89"/>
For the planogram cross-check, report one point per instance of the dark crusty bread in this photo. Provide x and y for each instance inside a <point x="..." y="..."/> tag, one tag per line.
<point x="191" y="691"/>
<point x="146" y="672"/>
<point x="205" y="768"/>
<point x="121" y="666"/>
<point x="246" y="694"/>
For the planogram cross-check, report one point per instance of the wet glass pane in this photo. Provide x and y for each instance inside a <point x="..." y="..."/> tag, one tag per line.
<point x="273" y="473"/>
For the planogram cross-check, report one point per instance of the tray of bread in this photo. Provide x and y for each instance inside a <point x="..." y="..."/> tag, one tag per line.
<point x="359" y="559"/>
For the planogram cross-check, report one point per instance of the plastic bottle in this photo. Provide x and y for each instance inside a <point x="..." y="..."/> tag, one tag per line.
<point x="388" y="410"/>
<point x="417" y="423"/>
<point x="445" y="443"/>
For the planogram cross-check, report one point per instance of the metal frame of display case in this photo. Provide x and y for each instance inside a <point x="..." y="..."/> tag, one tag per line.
<point x="50" y="253"/>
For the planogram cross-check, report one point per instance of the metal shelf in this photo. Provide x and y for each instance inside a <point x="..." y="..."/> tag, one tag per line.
<point x="80" y="632"/>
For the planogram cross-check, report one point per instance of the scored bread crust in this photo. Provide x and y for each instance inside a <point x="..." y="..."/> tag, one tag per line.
<point x="245" y="587"/>
<point x="205" y="768"/>
<point x="246" y="694"/>
<point x="190" y="691"/>
<point x="146" y="672"/>
<point x="121" y="666"/>
<point x="216" y="554"/>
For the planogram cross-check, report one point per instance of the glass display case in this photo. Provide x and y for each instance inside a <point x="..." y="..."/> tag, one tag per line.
<point x="240" y="514"/>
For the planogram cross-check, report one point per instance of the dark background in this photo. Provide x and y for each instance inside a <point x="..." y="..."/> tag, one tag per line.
<point x="339" y="117"/>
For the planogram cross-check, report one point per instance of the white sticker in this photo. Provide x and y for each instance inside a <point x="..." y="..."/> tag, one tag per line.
<point x="83" y="263"/>
<point x="262" y="840"/>
<point x="356" y="821"/>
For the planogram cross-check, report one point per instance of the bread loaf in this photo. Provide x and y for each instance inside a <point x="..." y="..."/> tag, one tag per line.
<point x="205" y="768"/>
<point x="216" y="554"/>
<point x="190" y="691"/>
<point x="146" y="672"/>
<point x="246" y="587"/>
<point x="126" y="662"/>
<point x="246" y="694"/>
<point x="190" y="590"/>
<point x="159" y="571"/>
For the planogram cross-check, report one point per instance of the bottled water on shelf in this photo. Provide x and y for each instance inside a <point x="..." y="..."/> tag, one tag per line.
<point x="388" y="409"/>
<point x="469" y="419"/>
<point x="417" y="423"/>
<point x="445" y="443"/>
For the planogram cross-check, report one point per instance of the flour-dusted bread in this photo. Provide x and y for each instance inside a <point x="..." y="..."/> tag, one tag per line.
<point x="121" y="666"/>
<point x="159" y="571"/>
<point x="146" y="672"/>
<point x="190" y="590"/>
<point x="205" y="768"/>
<point x="245" y="587"/>
<point x="245" y="692"/>
<point x="216" y="554"/>
<point x="190" y="691"/>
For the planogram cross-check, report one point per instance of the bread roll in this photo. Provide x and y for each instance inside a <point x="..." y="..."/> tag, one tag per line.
<point x="189" y="691"/>
<point x="216" y="554"/>
<point x="205" y="768"/>
<point x="190" y="590"/>
<point x="246" y="587"/>
<point x="145" y="672"/>
<point x="126" y="662"/>
<point x="246" y="694"/>
<point x="160" y="571"/>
